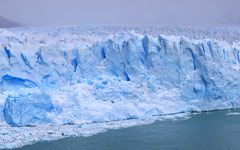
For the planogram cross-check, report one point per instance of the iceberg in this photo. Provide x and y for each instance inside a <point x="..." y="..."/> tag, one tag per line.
<point x="51" y="79"/>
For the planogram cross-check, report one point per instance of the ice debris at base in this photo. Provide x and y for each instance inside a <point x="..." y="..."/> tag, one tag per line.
<point x="14" y="137"/>
<point x="67" y="79"/>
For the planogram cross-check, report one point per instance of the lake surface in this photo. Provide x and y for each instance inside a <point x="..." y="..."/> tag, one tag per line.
<point x="218" y="130"/>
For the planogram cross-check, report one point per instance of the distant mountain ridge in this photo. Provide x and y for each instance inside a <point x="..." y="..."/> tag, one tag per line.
<point x="5" y="23"/>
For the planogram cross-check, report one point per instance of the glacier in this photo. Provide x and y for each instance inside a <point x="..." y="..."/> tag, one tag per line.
<point x="48" y="78"/>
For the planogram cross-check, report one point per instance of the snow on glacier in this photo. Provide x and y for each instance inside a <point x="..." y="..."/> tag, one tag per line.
<point x="61" y="79"/>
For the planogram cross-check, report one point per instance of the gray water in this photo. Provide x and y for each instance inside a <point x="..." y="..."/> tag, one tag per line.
<point x="205" y="131"/>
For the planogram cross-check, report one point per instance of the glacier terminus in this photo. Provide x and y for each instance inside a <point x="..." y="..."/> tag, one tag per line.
<point x="52" y="77"/>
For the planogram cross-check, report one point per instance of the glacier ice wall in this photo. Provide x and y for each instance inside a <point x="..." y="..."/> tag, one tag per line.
<point x="46" y="80"/>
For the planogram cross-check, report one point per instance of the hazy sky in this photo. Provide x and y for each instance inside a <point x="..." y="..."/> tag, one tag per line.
<point x="122" y="12"/>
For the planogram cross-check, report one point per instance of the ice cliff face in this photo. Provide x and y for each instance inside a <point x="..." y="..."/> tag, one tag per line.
<point x="123" y="77"/>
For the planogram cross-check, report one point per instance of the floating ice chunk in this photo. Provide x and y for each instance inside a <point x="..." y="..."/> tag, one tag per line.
<point x="233" y="113"/>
